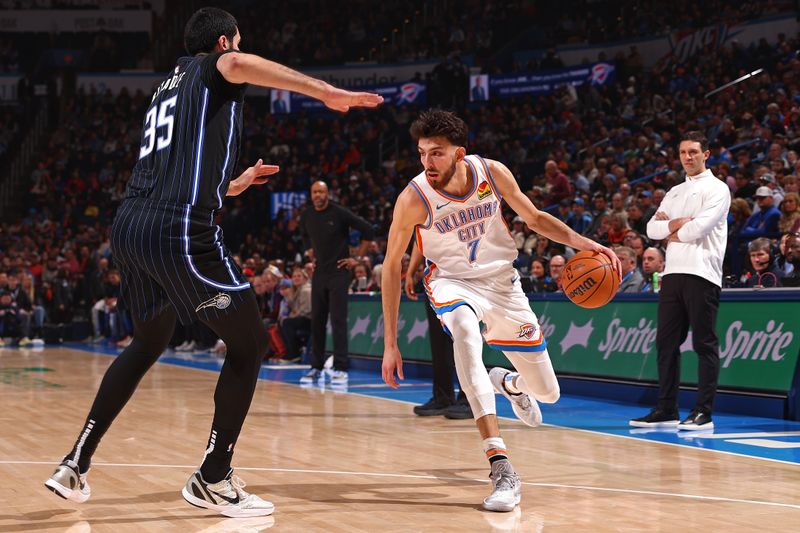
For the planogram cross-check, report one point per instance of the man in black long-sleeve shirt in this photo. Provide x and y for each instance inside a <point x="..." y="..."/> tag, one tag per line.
<point x="326" y="236"/>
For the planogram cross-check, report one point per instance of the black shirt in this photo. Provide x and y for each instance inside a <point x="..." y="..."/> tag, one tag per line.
<point x="190" y="137"/>
<point x="328" y="232"/>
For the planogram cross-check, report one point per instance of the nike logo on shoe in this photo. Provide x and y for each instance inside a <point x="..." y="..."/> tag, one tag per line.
<point x="232" y="501"/>
<point x="443" y="205"/>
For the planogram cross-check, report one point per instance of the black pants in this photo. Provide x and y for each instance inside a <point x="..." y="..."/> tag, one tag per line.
<point x="687" y="301"/>
<point x="291" y="328"/>
<point x="442" y="360"/>
<point x="329" y="295"/>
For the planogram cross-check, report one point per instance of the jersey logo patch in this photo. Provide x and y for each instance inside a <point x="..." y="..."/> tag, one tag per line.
<point x="443" y="205"/>
<point x="526" y="331"/>
<point x="220" y="301"/>
<point x="484" y="190"/>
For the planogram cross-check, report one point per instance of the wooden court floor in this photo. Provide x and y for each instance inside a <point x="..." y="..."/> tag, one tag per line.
<point x="339" y="462"/>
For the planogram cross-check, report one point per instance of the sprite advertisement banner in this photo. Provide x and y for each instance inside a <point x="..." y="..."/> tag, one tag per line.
<point x="759" y="342"/>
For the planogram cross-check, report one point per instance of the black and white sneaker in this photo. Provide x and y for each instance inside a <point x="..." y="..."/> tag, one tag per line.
<point x="696" y="421"/>
<point x="227" y="497"/>
<point x="656" y="418"/>
<point x="69" y="483"/>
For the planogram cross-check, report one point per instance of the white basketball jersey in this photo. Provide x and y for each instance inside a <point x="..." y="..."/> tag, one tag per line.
<point x="465" y="238"/>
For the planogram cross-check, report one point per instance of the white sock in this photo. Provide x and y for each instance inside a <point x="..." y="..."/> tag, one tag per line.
<point x="508" y="382"/>
<point x="495" y="449"/>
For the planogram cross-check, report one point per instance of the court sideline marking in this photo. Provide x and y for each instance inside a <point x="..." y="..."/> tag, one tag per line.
<point x="439" y="478"/>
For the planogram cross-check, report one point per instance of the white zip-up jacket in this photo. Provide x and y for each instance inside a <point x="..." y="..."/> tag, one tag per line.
<point x="701" y="249"/>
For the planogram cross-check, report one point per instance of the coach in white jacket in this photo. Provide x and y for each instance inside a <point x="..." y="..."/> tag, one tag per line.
<point x="693" y="218"/>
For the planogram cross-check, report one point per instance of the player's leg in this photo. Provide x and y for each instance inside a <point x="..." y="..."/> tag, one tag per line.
<point x="463" y="325"/>
<point x="534" y="381"/>
<point x="246" y="342"/>
<point x="150" y="338"/>
<point x="214" y="486"/>
<point x="511" y="326"/>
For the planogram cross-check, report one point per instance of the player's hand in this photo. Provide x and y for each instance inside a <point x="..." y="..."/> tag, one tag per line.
<point x="392" y="361"/>
<point x="615" y="262"/>
<point x="252" y="176"/>
<point x="409" y="287"/>
<point x="347" y="262"/>
<point x="661" y="215"/>
<point x="341" y="100"/>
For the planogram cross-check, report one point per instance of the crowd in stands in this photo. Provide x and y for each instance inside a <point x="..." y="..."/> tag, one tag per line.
<point x="600" y="158"/>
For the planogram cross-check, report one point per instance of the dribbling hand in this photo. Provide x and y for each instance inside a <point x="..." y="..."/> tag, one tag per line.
<point x="617" y="264"/>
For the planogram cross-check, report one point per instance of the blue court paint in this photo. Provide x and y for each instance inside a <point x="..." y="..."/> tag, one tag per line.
<point x="764" y="438"/>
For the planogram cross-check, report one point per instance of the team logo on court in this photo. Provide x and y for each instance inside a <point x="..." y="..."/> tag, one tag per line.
<point x="526" y="331"/>
<point x="484" y="190"/>
<point x="220" y="301"/>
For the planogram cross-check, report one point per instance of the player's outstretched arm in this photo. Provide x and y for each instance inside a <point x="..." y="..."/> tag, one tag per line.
<point x="540" y="221"/>
<point x="409" y="211"/>
<point x="249" y="68"/>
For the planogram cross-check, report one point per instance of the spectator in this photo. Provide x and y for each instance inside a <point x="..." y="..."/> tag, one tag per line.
<point x="538" y="281"/>
<point x="298" y="322"/>
<point x="790" y="213"/>
<point x="632" y="279"/>
<point x="653" y="269"/>
<point x="559" y="185"/>
<point x="362" y="280"/>
<point x="765" y="221"/>
<point x="793" y="258"/>
<point x="580" y="221"/>
<point x="556" y="267"/>
<point x="617" y="229"/>
<point x="10" y="326"/>
<point x="765" y="272"/>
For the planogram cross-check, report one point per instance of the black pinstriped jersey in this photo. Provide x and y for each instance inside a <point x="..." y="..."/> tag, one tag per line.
<point x="190" y="139"/>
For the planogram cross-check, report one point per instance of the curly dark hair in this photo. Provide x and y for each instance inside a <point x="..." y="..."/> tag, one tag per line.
<point x="696" y="136"/>
<point x="440" y="123"/>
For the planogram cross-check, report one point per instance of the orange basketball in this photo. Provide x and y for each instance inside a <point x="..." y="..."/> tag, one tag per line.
<point x="589" y="279"/>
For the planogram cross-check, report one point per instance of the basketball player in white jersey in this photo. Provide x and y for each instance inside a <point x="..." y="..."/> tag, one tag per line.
<point x="454" y="210"/>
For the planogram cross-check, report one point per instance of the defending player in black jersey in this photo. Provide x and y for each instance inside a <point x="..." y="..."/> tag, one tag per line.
<point x="172" y="257"/>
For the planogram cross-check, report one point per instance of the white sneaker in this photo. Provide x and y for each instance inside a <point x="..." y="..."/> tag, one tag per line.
<point x="507" y="491"/>
<point x="182" y="347"/>
<point x="523" y="405"/>
<point x="227" y="497"/>
<point x="338" y="376"/>
<point x="328" y="363"/>
<point x="69" y="483"/>
<point x="37" y="342"/>
<point x="311" y="376"/>
<point x="24" y="341"/>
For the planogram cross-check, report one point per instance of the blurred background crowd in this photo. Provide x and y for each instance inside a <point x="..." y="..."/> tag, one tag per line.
<point x="599" y="157"/>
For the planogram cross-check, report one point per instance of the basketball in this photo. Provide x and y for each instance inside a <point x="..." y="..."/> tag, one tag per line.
<point x="589" y="279"/>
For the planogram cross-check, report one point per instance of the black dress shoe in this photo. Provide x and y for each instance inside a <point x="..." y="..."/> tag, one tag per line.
<point x="433" y="407"/>
<point x="656" y="418"/>
<point x="458" y="411"/>
<point x="697" y="420"/>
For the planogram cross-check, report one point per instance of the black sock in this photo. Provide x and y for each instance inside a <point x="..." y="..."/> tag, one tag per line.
<point x="219" y="452"/>
<point x="87" y="442"/>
